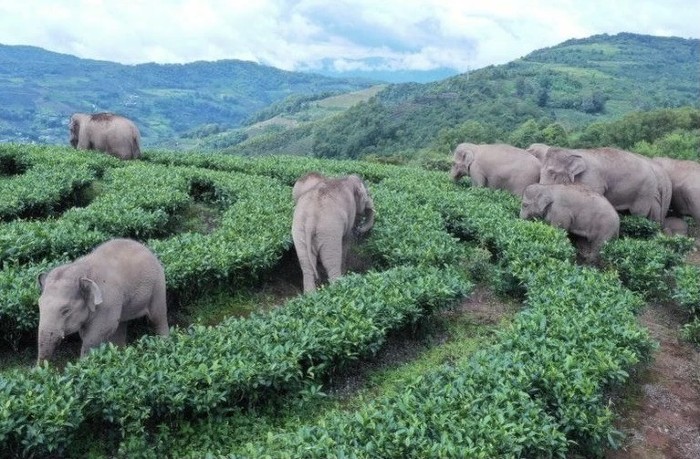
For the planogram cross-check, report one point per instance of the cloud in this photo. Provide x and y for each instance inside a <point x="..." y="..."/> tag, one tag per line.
<point x="346" y="34"/>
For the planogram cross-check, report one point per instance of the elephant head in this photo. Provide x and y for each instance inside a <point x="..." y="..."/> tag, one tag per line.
<point x="561" y="167"/>
<point x="306" y="183"/>
<point x="674" y="226"/>
<point x="538" y="150"/>
<point x="461" y="161"/>
<point x="364" y="219"/>
<point x="66" y="302"/>
<point x="74" y="128"/>
<point x="537" y="200"/>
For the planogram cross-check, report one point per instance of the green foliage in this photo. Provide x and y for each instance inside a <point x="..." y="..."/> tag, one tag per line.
<point x="646" y="266"/>
<point x="636" y="226"/>
<point x="536" y="391"/>
<point x="691" y="331"/>
<point x="678" y="144"/>
<point x="562" y="90"/>
<point x="687" y="288"/>
<point x="644" y="129"/>
<point x="204" y="368"/>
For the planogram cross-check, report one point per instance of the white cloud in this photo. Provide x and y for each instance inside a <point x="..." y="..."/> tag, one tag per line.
<point x="350" y="34"/>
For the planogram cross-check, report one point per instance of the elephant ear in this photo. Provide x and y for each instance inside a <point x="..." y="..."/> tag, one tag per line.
<point x="544" y="202"/>
<point x="90" y="288"/>
<point x="575" y="166"/>
<point x="459" y="154"/>
<point x="468" y="155"/>
<point x="306" y="183"/>
<point x="41" y="280"/>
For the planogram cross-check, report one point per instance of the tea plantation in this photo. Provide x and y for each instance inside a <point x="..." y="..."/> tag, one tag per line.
<point x="539" y="389"/>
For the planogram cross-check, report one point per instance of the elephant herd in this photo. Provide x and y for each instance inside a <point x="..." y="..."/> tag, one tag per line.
<point x="122" y="279"/>
<point x="582" y="190"/>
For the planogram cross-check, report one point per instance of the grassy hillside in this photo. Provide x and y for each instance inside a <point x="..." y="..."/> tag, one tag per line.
<point x="40" y="89"/>
<point x="572" y="84"/>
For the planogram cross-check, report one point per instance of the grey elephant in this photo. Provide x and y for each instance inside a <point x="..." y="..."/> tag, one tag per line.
<point x="685" y="183"/>
<point x="327" y="211"/>
<point x="538" y="150"/>
<point x="577" y="209"/>
<point x="674" y="226"/>
<point x="496" y="166"/>
<point x="107" y="132"/>
<point x="97" y="294"/>
<point x="629" y="181"/>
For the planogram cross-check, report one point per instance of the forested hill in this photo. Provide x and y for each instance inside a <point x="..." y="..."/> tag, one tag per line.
<point x="572" y="84"/>
<point x="40" y="89"/>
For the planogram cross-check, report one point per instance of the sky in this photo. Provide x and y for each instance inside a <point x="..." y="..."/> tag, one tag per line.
<point x="331" y="35"/>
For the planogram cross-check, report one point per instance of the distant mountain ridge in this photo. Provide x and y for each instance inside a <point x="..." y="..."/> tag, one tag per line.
<point x="39" y="90"/>
<point x="252" y="109"/>
<point x="573" y="84"/>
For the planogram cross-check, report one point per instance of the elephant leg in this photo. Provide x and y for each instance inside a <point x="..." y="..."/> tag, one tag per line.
<point x="307" y="269"/>
<point x="478" y="179"/>
<point x="94" y="336"/>
<point x="331" y="253"/>
<point x="158" y="312"/>
<point x="643" y="207"/>
<point x="119" y="336"/>
<point x="344" y="259"/>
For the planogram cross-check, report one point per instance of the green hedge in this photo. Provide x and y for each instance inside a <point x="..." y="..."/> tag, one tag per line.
<point x="250" y="238"/>
<point x="38" y="179"/>
<point x="204" y="369"/>
<point x="537" y="392"/>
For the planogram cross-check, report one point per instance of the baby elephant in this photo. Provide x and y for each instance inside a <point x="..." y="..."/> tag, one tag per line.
<point x="577" y="209"/>
<point x="98" y="293"/>
<point x="497" y="166"/>
<point x="674" y="226"/>
<point x="327" y="212"/>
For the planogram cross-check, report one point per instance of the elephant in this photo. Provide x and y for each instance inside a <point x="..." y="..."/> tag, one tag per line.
<point x="577" y="209"/>
<point x="97" y="294"/>
<point x="327" y="211"/>
<point x="538" y="150"/>
<point x="107" y="132"/>
<point x="629" y="181"/>
<point x="685" y="184"/>
<point x="496" y="166"/>
<point x="674" y="226"/>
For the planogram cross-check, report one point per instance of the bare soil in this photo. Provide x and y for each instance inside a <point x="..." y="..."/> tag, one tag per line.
<point x="660" y="416"/>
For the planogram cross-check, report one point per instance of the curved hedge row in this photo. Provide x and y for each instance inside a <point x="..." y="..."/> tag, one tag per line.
<point x="535" y="393"/>
<point x="141" y="199"/>
<point x="206" y="368"/>
<point x="39" y="179"/>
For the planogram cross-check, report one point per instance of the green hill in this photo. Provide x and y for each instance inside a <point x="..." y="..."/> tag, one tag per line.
<point x="249" y="109"/>
<point x="573" y="84"/>
<point x="40" y="89"/>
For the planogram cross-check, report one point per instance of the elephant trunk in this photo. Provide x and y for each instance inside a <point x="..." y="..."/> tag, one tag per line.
<point x="455" y="174"/>
<point x="368" y="223"/>
<point x="48" y="340"/>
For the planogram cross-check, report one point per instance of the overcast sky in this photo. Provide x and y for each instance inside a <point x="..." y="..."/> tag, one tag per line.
<point x="336" y="34"/>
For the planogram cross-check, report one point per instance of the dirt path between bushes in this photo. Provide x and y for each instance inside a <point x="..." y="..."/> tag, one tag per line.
<point x="660" y="417"/>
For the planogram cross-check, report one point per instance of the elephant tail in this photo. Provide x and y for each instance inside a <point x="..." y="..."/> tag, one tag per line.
<point x="135" y="148"/>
